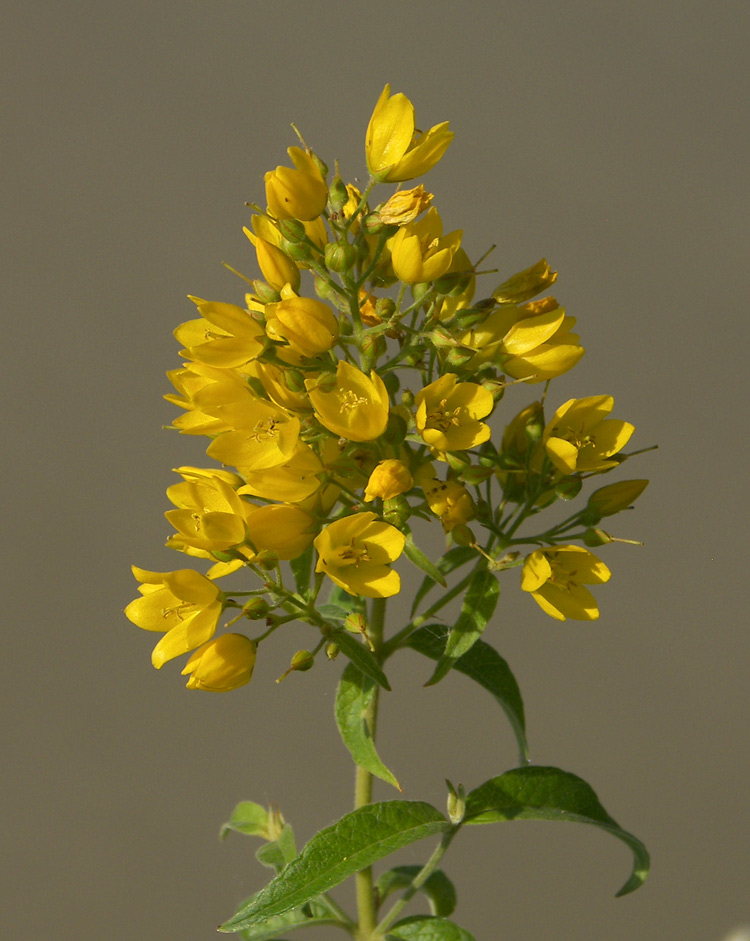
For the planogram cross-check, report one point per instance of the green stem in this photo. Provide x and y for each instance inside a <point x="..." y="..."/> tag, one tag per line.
<point x="418" y="881"/>
<point x="363" y="786"/>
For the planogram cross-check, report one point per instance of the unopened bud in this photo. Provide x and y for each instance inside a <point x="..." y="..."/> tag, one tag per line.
<point x="266" y="559"/>
<point x="302" y="661"/>
<point x="396" y="511"/>
<point x="385" y="307"/>
<point x="463" y="536"/>
<point x="340" y="256"/>
<point x="568" y="488"/>
<point x="338" y="195"/>
<point x="456" y="803"/>
<point x="611" y="499"/>
<point x="458" y="357"/>
<point x="332" y="651"/>
<point x="596" y="537"/>
<point x="256" y="609"/>
<point x="265" y="293"/>
<point x="292" y="230"/>
<point x="441" y="339"/>
<point x="297" y="251"/>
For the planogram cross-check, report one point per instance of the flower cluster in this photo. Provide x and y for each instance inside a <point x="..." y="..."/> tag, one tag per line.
<point x="335" y="420"/>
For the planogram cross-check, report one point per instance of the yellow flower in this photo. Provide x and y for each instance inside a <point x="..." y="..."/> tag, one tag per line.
<point x="263" y="434"/>
<point x="183" y="604"/>
<point x="388" y="480"/>
<point x="356" y="407"/>
<point x="227" y="336"/>
<point x="356" y="551"/>
<point x="394" y="151"/>
<point x="190" y="382"/>
<point x="448" y="414"/>
<point x="224" y="663"/>
<point x="580" y="437"/>
<point x="533" y="343"/>
<point x="556" y="578"/>
<point x="420" y="252"/>
<point x="291" y="482"/>
<point x="526" y="284"/>
<point x="405" y="205"/>
<point x="285" y="530"/>
<point x="450" y="501"/>
<point x="308" y="325"/>
<point x="296" y="194"/>
<point x="276" y="267"/>
<point x="209" y="515"/>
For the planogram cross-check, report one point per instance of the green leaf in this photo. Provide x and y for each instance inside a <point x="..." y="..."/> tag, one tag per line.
<point x="426" y="928"/>
<point x="361" y="657"/>
<point x="454" y="558"/>
<point x="353" y="698"/>
<point x="478" y="607"/>
<point x="438" y="888"/>
<point x="278" y="853"/>
<point x="332" y="612"/>
<point x="415" y="555"/>
<point x="248" y="818"/>
<point x="539" y="793"/>
<point x="483" y="664"/>
<point x="271" y="927"/>
<point x="302" y="570"/>
<point x="353" y="843"/>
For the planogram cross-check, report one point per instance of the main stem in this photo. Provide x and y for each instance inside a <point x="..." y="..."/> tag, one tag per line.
<point x="363" y="785"/>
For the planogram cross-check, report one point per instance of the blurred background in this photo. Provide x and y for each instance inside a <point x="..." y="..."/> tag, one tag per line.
<point x="610" y="138"/>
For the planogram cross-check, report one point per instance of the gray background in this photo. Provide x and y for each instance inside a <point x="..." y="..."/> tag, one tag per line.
<point x="609" y="137"/>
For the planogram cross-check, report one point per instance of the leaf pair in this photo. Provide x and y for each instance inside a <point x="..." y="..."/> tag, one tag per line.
<point x="372" y="832"/>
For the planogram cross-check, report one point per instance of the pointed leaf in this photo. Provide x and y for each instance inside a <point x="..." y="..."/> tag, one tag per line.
<point x="478" y="607"/>
<point x="271" y="927"/>
<point x="352" y="843"/>
<point x="427" y="928"/>
<point x="360" y="657"/>
<point x="438" y="888"/>
<point x="454" y="558"/>
<point x="483" y="664"/>
<point x="248" y="818"/>
<point x="353" y="698"/>
<point x="540" y="793"/>
<point x="415" y="555"/>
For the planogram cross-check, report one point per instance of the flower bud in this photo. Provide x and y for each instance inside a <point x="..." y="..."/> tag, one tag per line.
<point x="338" y="195"/>
<point x="265" y="293"/>
<point x="456" y="803"/>
<point x="340" y="256"/>
<point x="463" y="536"/>
<point x="332" y="651"/>
<point x="568" y="488"/>
<point x="224" y="663"/>
<point x="256" y="609"/>
<point x="292" y="230"/>
<point x="597" y="537"/>
<point x="389" y="479"/>
<point x="299" y="193"/>
<point x="396" y="511"/>
<point x="457" y="357"/>
<point x="615" y="497"/>
<point x="301" y="662"/>
<point x="298" y="251"/>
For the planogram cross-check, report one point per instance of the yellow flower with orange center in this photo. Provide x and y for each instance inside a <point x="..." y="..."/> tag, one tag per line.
<point x="356" y="553"/>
